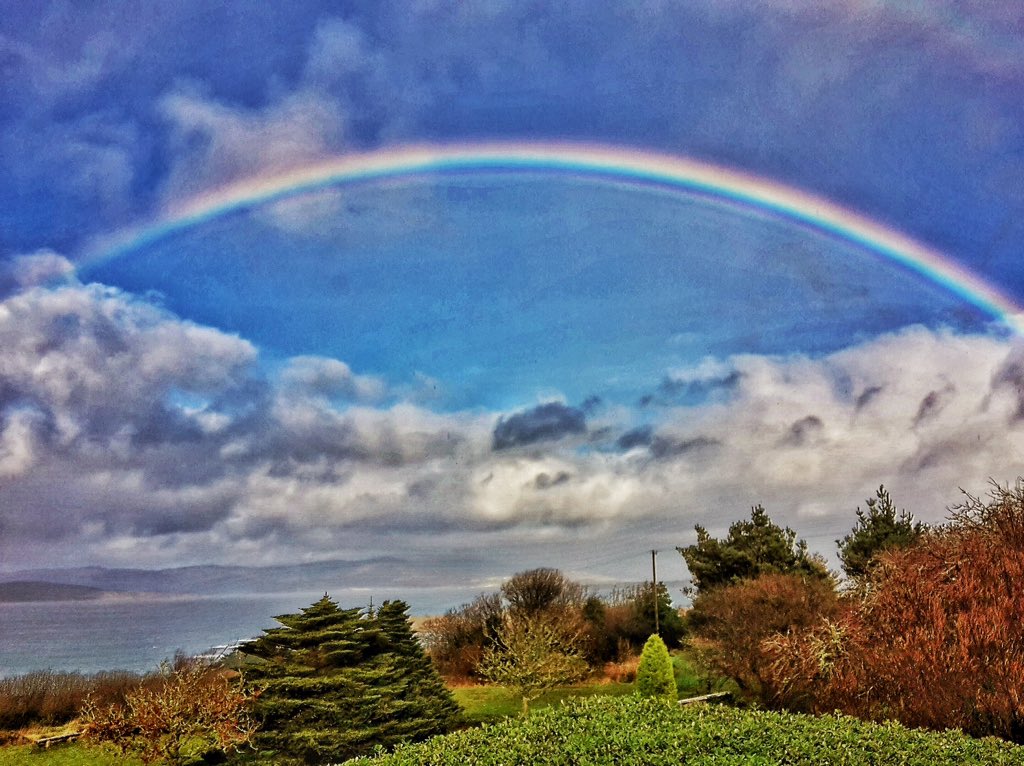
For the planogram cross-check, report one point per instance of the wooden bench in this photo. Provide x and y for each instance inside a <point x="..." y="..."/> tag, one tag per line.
<point x="713" y="697"/>
<point x="45" y="742"/>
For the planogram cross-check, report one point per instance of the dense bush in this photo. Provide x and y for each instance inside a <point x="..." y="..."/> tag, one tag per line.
<point x="457" y="639"/>
<point x="736" y="624"/>
<point x="654" y="676"/>
<point x="936" y="639"/>
<point x="51" y="698"/>
<point x="607" y="628"/>
<point x="194" y="710"/>
<point x="634" y="731"/>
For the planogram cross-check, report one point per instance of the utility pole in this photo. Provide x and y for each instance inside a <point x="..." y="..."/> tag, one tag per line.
<point x="654" y="589"/>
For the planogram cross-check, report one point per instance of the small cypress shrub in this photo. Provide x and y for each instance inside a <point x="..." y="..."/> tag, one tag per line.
<point x="654" y="677"/>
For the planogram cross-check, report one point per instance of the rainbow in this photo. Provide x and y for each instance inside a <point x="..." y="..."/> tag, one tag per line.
<point x="617" y="164"/>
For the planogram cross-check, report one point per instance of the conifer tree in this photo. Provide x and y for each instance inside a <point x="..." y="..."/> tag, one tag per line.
<point x="654" y="676"/>
<point x="333" y="683"/>
<point x="878" y="529"/>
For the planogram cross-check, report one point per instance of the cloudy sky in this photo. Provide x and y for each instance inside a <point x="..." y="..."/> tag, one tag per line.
<point x="496" y="368"/>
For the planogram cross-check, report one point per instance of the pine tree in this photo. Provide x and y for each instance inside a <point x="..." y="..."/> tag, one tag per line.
<point x="750" y="549"/>
<point x="654" y="676"/>
<point x="877" y="530"/>
<point x="333" y="683"/>
<point x="421" y="704"/>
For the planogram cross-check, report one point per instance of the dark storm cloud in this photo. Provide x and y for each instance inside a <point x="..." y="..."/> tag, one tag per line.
<point x="545" y="422"/>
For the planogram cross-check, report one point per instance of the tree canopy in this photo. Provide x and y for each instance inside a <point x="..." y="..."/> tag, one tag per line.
<point x="877" y="529"/>
<point x="751" y="548"/>
<point x="333" y="683"/>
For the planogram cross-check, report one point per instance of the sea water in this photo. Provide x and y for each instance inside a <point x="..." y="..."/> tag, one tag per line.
<point x="137" y="632"/>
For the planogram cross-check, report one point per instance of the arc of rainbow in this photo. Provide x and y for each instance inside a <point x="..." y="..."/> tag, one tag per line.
<point x="620" y="164"/>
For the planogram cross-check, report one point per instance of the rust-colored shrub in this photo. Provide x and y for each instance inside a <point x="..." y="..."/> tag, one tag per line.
<point x="937" y="638"/>
<point x="50" y="697"/>
<point x="735" y="625"/>
<point x="193" y="710"/>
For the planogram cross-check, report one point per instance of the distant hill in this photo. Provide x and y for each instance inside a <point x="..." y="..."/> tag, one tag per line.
<point x="220" y="580"/>
<point x="33" y="590"/>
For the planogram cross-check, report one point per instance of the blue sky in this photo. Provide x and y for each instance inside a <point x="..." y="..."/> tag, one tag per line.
<point x="552" y="369"/>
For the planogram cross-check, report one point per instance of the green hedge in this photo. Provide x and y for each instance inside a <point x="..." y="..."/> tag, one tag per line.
<point x="642" y="732"/>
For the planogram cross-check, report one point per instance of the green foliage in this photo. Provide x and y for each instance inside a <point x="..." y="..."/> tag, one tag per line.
<point x="670" y="624"/>
<point x="654" y="676"/>
<point x="751" y="548"/>
<point x="531" y="654"/>
<point x="640" y="731"/>
<point x="877" y="529"/>
<point x="334" y="683"/>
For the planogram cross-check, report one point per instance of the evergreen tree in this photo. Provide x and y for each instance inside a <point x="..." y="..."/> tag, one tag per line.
<point x="333" y="683"/>
<point x="421" y="704"/>
<point x="875" y="531"/>
<point x="751" y="548"/>
<point x="654" y="676"/>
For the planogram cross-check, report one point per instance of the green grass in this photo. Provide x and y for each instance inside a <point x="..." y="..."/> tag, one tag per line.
<point x="488" y="704"/>
<point x="70" y="754"/>
<point x="633" y="731"/>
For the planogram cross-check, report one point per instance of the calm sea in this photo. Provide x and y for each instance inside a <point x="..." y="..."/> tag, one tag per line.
<point x="136" y="633"/>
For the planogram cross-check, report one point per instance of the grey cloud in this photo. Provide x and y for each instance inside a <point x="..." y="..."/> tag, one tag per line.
<point x="690" y="390"/>
<point x="663" y="447"/>
<point x="330" y="378"/>
<point x="544" y="481"/>
<point x="37" y="269"/>
<point x="865" y="397"/>
<point x="640" y="436"/>
<point x="932" y="404"/>
<point x="804" y="431"/>
<point x="545" y="422"/>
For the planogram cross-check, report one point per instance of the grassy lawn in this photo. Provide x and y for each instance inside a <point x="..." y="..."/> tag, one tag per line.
<point x="71" y="754"/>
<point x="487" y="704"/>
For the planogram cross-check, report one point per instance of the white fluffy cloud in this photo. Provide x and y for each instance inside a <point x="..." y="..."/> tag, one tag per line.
<point x="130" y="435"/>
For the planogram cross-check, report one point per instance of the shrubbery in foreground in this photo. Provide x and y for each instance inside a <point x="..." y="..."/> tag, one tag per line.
<point x="636" y="730"/>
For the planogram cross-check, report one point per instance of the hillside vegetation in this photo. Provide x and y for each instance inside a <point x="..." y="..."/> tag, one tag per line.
<point x="648" y="732"/>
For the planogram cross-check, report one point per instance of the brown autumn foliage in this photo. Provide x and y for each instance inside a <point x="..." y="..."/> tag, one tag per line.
<point x="735" y="624"/>
<point x="51" y="698"/>
<point x="936" y="639"/>
<point x="456" y="640"/>
<point x="194" y="706"/>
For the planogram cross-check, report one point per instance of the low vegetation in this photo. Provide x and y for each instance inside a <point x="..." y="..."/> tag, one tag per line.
<point x="195" y="709"/>
<point x="50" y="698"/>
<point x="646" y="732"/>
<point x="925" y="631"/>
